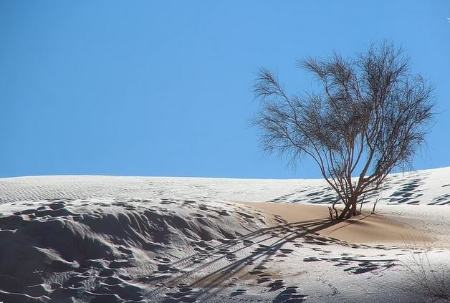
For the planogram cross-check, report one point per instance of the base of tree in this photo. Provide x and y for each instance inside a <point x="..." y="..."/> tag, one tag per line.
<point x="346" y="213"/>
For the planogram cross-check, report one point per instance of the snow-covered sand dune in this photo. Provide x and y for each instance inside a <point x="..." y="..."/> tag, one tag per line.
<point x="146" y="239"/>
<point x="420" y="187"/>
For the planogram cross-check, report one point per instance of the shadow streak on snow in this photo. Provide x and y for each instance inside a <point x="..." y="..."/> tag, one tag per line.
<point x="212" y="283"/>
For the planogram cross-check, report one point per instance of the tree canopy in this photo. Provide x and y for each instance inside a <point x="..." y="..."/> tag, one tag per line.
<point x="368" y="117"/>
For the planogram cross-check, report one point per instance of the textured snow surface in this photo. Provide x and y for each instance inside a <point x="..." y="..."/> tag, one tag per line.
<point x="421" y="187"/>
<point x="142" y="239"/>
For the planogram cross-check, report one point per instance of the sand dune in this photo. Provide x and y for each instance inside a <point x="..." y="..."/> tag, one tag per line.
<point x="426" y="187"/>
<point x="365" y="228"/>
<point x="49" y="246"/>
<point x="138" y="239"/>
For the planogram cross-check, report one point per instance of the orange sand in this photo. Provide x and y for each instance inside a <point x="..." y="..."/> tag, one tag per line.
<point x="365" y="228"/>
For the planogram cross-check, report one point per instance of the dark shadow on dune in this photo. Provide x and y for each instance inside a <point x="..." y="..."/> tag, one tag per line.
<point x="322" y="195"/>
<point x="212" y="283"/>
<point x="349" y="222"/>
<point x="407" y="193"/>
<point x="291" y="295"/>
<point x="253" y="263"/>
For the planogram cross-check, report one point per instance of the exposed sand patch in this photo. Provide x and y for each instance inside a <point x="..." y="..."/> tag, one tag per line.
<point x="365" y="228"/>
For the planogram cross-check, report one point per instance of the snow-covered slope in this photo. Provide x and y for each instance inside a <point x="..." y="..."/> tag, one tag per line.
<point x="141" y="239"/>
<point x="419" y="187"/>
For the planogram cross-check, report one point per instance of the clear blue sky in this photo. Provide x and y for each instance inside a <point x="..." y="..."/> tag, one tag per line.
<point x="164" y="88"/>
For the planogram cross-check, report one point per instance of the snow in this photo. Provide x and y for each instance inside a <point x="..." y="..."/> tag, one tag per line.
<point x="155" y="239"/>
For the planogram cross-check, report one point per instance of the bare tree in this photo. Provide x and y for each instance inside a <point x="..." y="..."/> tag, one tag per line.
<point x="369" y="116"/>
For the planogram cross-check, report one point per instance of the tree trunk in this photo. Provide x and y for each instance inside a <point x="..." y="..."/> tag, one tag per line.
<point x="353" y="201"/>
<point x="344" y="212"/>
<point x="349" y="209"/>
<point x="353" y="211"/>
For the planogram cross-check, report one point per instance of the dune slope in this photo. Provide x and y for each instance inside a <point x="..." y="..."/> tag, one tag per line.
<point x="138" y="239"/>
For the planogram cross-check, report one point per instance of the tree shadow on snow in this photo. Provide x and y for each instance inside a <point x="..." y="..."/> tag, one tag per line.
<point x="213" y="283"/>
